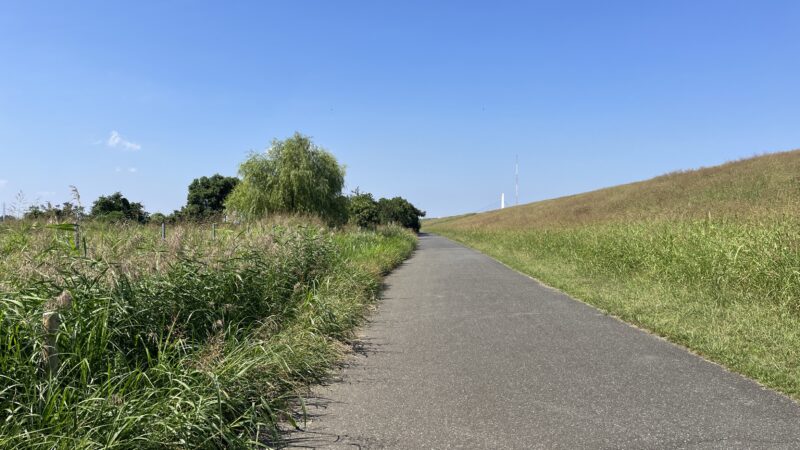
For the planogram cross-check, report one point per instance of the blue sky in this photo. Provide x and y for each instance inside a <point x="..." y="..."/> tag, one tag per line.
<point x="428" y="100"/>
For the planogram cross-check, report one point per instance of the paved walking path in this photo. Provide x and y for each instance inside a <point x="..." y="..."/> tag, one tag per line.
<point x="466" y="353"/>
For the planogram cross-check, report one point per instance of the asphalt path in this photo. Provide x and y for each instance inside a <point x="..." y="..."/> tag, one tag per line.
<point x="464" y="352"/>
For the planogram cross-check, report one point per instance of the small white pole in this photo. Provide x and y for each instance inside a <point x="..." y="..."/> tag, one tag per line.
<point x="516" y="180"/>
<point x="502" y="200"/>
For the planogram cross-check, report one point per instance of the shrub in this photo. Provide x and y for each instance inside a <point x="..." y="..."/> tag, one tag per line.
<point x="400" y="211"/>
<point x="363" y="210"/>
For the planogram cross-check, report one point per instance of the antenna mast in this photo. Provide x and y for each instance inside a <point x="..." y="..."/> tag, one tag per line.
<point x="516" y="180"/>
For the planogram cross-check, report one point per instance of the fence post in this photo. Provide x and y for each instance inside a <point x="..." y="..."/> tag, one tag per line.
<point x="77" y="236"/>
<point x="51" y="320"/>
<point x="213" y="231"/>
<point x="163" y="231"/>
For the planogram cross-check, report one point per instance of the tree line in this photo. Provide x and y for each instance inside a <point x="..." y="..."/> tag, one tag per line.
<point x="295" y="176"/>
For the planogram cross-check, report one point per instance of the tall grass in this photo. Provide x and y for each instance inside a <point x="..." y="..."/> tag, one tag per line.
<point x="187" y="342"/>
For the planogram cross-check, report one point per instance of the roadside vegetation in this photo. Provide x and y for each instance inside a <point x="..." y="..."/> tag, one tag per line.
<point x="294" y="176"/>
<point x="113" y="335"/>
<point x="709" y="258"/>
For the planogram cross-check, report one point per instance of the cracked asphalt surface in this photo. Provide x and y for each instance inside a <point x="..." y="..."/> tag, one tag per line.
<point x="464" y="352"/>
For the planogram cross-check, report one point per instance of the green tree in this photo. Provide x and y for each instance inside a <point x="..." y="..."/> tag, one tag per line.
<point x="69" y="211"/>
<point x="35" y="212"/>
<point x="115" y="208"/>
<point x="207" y="196"/>
<point x="66" y="212"/>
<point x="362" y="210"/>
<point x="158" y="218"/>
<point x="294" y="176"/>
<point x="400" y="211"/>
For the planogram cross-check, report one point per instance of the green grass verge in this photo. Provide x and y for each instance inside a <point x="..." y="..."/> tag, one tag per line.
<point x="190" y="342"/>
<point x="728" y="290"/>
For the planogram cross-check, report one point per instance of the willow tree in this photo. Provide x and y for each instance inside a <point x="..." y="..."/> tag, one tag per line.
<point x="293" y="176"/>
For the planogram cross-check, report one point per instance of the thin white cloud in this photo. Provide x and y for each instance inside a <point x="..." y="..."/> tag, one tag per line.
<point x="115" y="140"/>
<point x="118" y="169"/>
<point x="132" y="169"/>
<point x="3" y="183"/>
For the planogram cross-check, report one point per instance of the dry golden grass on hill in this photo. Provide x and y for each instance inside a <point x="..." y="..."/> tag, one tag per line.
<point x="763" y="186"/>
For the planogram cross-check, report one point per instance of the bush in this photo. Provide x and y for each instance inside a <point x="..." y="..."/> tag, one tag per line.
<point x="363" y="210"/>
<point x="400" y="211"/>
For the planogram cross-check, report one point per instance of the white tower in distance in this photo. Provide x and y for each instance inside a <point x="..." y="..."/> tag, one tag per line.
<point x="502" y="200"/>
<point x="516" y="181"/>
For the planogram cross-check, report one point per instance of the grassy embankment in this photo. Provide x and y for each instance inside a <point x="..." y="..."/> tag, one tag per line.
<point x="709" y="258"/>
<point x="186" y="343"/>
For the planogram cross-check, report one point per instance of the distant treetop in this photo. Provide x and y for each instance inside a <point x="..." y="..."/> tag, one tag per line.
<point x="117" y="208"/>
<point x="207" y="196"/>
<point x="294" y="176"/>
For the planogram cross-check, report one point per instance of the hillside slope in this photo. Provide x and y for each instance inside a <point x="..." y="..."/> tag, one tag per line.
<point x="709" y="258"/>
<point x="766" y="185"/>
